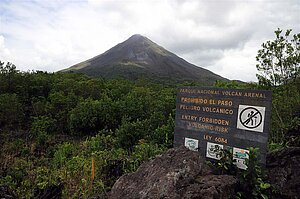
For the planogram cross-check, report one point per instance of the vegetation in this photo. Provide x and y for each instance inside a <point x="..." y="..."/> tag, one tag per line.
<point x="279" y="59"/>
<point x="279" y="71"/>
<point x="251" y="182"/>
<point x="52" y="125"/>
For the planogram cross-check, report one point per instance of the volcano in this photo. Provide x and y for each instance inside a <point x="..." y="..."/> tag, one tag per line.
<point x="139" y="57"/>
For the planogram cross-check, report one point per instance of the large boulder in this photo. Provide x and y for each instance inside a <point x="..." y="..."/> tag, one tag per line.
<point x="178" y="173"/>
<point x="283" y="172"/>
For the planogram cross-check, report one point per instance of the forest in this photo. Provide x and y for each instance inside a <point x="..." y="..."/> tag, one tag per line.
<point x="83" y="133"/>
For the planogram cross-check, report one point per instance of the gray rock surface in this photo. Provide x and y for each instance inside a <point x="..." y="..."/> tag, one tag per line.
<point x="6" y="193"/>
<point x="178" y="173"/>
<point x="283" y="172"/>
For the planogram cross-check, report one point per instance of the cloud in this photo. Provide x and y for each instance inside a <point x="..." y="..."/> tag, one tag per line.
<point x="234" y="65"/>
<point x="4" y="52"/>
<point x="222" y="36"/>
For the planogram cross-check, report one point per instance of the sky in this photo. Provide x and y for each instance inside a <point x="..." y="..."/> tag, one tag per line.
<point x="220" y="35"/>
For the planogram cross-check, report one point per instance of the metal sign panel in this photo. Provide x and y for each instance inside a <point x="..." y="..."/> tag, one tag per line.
<point x="212" y="118"/>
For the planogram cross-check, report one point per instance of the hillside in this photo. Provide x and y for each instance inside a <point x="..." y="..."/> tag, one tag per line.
<point x="140" y="57"/>
<point x="54" y="126"/>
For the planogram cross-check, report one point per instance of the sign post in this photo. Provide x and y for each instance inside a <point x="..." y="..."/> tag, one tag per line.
<point x="210" y="119"/>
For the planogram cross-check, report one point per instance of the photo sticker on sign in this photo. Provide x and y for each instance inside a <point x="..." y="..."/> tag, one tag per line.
<point x="214" y="150"/>
<point x="251" y="118"/>
<point x="191" y="144"/>
<point x="240" y="156"/>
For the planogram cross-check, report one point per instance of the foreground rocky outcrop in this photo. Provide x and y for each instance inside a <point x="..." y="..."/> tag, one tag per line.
<point x="283" y="172"/>
<point x="179" y="173"/>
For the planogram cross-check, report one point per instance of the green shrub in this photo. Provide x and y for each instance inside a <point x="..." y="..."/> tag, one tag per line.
<point x="11" y="111"/>
<point x="104" y="140"/>
<point x="141" y="153"/>
<point x="251" y="181"/>
<point x="60" y="105"/>
<point x="63" y="154"/>
<point x="90" y="116"/>
<point x="44" y="177"/>
<point x="164" y="134"/>
<point x="41" y="129"/>
<point x="130" y="133"/>
<point x="18" y="177"/>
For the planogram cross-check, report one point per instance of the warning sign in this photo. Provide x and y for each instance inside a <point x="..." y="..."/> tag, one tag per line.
<point x="209" y="120"/>
<point x="240" y="156"/>
<point x="251" y="118"/>
<point x="191" y="144"/>
<point x="214" y="150"/>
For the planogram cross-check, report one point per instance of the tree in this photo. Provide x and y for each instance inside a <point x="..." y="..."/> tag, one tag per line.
<point x="279" y="59"/>
<point x="8" y="78"/>
<point x="279" y="69"/>
<point x="11" y="111"/>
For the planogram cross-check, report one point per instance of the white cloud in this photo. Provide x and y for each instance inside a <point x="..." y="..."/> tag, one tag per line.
<point x="4" y="52"/>
<point x="222" y="36"/>
<point x="234" y="65"/>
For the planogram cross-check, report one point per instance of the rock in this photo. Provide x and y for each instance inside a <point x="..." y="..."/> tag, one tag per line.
<point x="293" y="136"/>
<point x="6" y="193"/>
<point x="53" y="192"/>
<point x="212" y="186"/>
<point x="283" y="171"/>
<point x="112" y="171"/>
<point x="178" y="173"/>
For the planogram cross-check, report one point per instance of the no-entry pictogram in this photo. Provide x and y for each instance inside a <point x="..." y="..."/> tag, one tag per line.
<point x="251" y="118"/>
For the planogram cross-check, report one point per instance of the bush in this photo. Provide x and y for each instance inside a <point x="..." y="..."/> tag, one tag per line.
<point x="130" y="133"/>
<point x="90" y="116"/>
<point x="41" y="129"/>
<point x="141" y="153"/>
<point x="59" y="107"/>
<point x="104" y="140"/>
<point x="62" y="154"/>
<point x="251" y="181"/>
<point x="285" y="111"/>
<point x="164" y="134"/>
<point x="11" y="111"/>
<point x="18" y="177"/>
